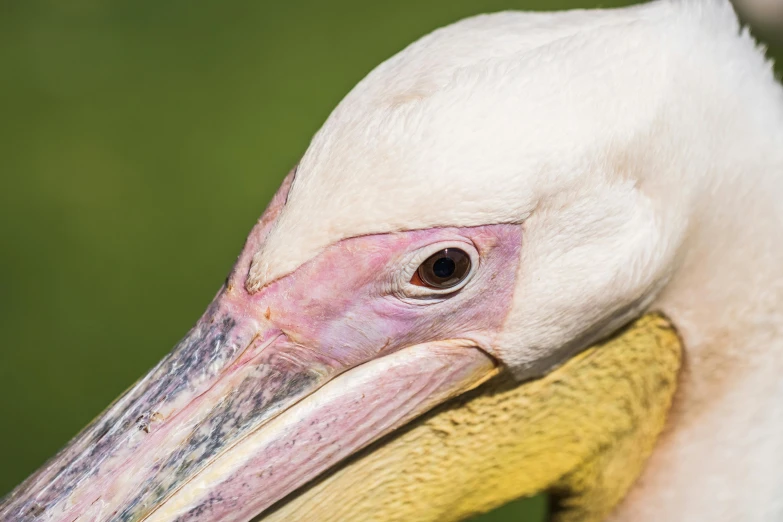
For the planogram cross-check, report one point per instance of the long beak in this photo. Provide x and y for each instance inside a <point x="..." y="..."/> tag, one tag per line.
<point x="237" y="416"/>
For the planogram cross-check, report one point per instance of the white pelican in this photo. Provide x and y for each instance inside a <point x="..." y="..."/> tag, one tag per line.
<point x="496" y="198"/>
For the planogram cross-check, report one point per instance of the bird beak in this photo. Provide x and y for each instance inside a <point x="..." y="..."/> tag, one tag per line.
<point x="236" y="417"/>
<point x="250" y="405"/>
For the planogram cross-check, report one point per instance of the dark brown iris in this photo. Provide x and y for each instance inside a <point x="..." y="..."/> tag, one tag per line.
<point x="444" y="269"/>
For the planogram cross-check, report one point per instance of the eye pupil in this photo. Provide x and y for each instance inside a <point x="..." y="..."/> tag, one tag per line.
<point x="444" y="269"/>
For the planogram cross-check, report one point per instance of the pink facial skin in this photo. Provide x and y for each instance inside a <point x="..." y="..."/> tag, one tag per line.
<point x="341" y="304"/>
<point x="237" y="377"/>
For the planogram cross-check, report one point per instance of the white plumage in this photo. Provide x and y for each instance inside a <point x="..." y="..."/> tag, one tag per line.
<point x="642" y="151"/>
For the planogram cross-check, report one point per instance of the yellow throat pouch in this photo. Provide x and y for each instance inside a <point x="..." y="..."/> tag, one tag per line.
<point x="582" y="433"/>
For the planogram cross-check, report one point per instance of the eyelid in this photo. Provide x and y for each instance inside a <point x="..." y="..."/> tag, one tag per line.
<point x="405" y="289"/>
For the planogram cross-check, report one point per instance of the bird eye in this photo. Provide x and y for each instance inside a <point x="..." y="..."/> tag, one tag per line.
<point x="444" y="269"/>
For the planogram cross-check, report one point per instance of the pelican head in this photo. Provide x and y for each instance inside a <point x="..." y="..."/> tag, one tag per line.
<point x="500" y="196"/>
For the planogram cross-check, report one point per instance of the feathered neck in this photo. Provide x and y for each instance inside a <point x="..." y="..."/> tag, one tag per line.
<point x="720" y="455"/>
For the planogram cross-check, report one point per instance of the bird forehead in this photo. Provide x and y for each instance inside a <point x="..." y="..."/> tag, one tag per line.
<point x="474" y="125"/>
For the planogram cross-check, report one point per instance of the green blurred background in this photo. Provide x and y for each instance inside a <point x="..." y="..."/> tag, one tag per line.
<point x="139" y="141"/>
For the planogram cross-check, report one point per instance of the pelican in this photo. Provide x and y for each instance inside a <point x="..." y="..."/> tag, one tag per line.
<point x="530" y="252"/>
